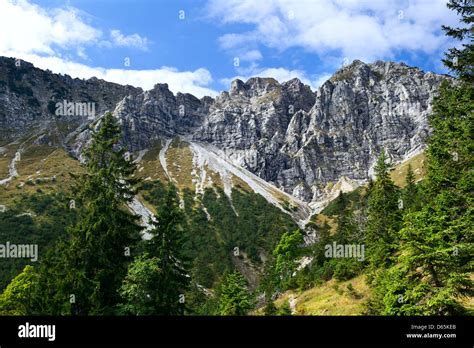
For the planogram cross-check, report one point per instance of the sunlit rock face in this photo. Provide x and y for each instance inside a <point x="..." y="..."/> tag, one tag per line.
<point x="295" y="138"/>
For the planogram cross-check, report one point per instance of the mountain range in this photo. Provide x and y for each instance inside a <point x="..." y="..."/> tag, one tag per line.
<point x="294" y="146"/>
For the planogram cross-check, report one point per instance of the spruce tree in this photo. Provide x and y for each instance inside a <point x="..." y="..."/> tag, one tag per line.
<point x="383" y="221"/>
<point x="341" y="201"/>
<point x="437" y="241"/>
<point x="346" y="228"/>
<point x="410" y="192"/>
<point x="234" y="299"/>
<point x="138" y="290"/>
<point x="84" y="280"/>
<point x="167" y="245"/>
<point x="461" y="60"/>
<point x="432" y="275"/>
<point x="286" y="253"/>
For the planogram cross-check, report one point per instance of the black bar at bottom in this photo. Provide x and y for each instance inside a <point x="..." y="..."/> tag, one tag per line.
<point x="289" y="331"/>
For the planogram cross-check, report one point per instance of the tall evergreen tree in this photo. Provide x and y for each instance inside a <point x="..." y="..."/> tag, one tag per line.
<point x="346" y="228"/>
<point x="437" y="242"/>
<point x="167" y="245"/>
<point x="384" y="218"/>
<point x="410" y="192"/>
<point x="234" y="298"/>
<point x="341" y="201"/>
<point x="461" y="60"/>
<point x="432" y="275"/>
<point x="286" y="253"/>
<point x="138" y="290"/>
<point x="84" y="280"/>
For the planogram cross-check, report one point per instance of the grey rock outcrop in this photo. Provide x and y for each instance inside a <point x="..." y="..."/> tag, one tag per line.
<point x="337" y="131"/>
<point x="157" y="113"/>
<point x="288" y="135"/>
<point x="360" y="111"/>
<point x="28" y="97"/>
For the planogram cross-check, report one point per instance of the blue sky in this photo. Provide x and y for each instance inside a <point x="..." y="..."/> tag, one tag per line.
<point x="199" y="46"/>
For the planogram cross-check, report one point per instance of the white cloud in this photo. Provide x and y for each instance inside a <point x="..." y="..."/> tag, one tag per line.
<point x="81" y="53"/>
<point x="362" y="29"/>
<point x="233" y="40"/>
<point x="281" y="75"/>
<point x="251" y="56"/>
<point x="44" y="38"/>
<point x="321" y="79"/>
<point x="28" y="28"/>
<point x="134" y="40"/>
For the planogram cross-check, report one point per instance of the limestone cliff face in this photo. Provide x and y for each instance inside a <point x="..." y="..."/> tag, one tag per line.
<point x="286" y="134"/>
<point x="157" y="113"/>
<point x="301" y="141"/>
<point x="361" y="110"/>
<point x="28" y="97"/>
<point x="250" y="122"/>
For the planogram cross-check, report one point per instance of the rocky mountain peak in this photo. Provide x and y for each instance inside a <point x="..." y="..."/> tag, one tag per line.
<point x="237" y="87"/>
<point x="262" y="84"/>
<point x="294" y="84"/>
<point x="294" y="138"/>
<point x="255" y="86"/>
<point x="350" y="72"/>
<point x="161" y="89"/>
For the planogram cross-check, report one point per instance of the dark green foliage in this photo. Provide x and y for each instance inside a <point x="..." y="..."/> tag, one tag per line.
<point x="204" y="245"/>
<point x="451" y="146"/>
<point x="167" y="246"/>
<point x="280" y="271"/>
<point x="411" y="192"/>
<point x="270" y="309"/>
<point x="94" y="258"/>
<point x="347" y="268"/>
<point x="350" y="219"/>
<point x="461" y="60"/>
<point x="158" y="281"/>
<point x="286" y="254"/>
<point x="300" y="279"/>
<point x="201" y="302"/>
<point x="350" y="212"/>
<point x="138" y="291"/>
<point x="437" y="241"/>
<point x="346" y="232"/>
<point x="257" y="227"/>
<point x="50" y="216"/>
<point x="384" y="216"/>
<point x="420" y="254"/>
<point x="434" y="263"/>
<point x="234" y="299"/>
<point x="323" y="272"/>
<point x="352" y="292"/>
<point x="210" y="243"/>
